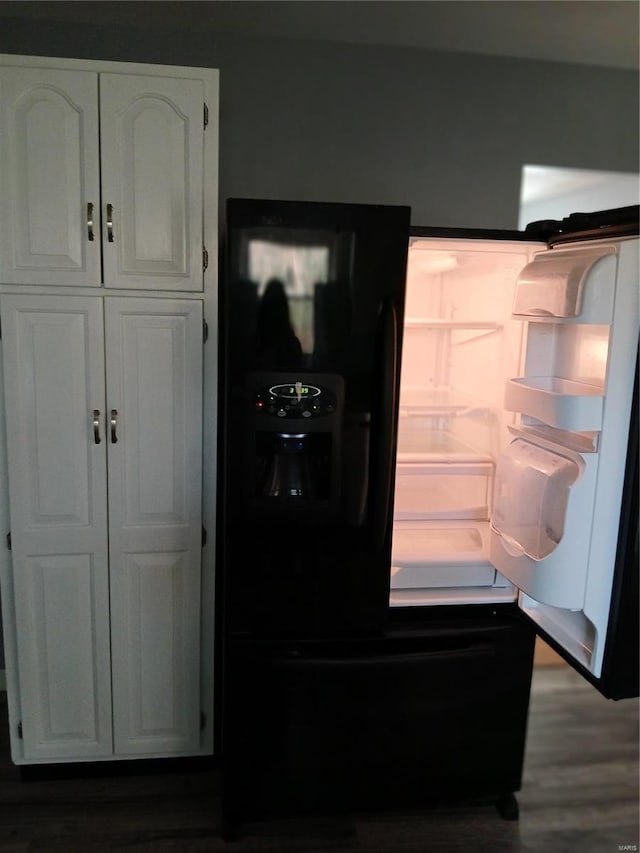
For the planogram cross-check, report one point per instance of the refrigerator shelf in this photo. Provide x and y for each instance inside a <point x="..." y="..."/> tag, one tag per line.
<point x="437" y="577"/>
<point x="417" y="401"/>
<point x="426" y="596"/>
<point x="558" y="402"/>
<point x="427" y="445"/>
<point x="443" y="490"/>
<point x="449" y="543"/>
<point x="441" y="555"/>
<point x="437" y="323"/>
<point x="477" y="511"/>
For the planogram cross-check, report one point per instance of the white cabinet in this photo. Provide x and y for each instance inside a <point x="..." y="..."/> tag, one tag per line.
<point x="154" y="407"/>
<point x="151" y="132"/>
<point x="49" y="176"/>
<point x="101" y="179"/>
<point x="108" y="198"/>
<point x="106" y="589"/>
<point x="54" y="379"/>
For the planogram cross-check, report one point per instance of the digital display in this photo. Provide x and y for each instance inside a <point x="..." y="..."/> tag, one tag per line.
<point x="295" y="391"/>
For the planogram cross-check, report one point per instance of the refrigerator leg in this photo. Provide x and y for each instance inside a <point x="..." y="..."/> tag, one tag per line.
<point x="229" y="829"/>
<point x="508" y="807"/>
<point x="230" y="818"/>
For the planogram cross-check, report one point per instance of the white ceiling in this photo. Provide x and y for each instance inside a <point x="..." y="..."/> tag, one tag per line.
<point x="586" y="32"/>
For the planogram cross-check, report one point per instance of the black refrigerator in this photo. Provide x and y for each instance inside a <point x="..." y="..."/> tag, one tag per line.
<point x="380" y="581"/>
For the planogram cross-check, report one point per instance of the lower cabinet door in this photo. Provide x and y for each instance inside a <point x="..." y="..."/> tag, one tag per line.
<point x="53" y="363"/>
<point x="154" y="404"/>
<point x="105" y="499"/>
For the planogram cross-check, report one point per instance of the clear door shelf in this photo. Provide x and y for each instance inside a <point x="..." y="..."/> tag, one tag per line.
<point x="552" y="286"/>
<point x="558" y="402"/>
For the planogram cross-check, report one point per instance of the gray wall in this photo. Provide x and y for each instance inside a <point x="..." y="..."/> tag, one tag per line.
<point x="445" y="133"/>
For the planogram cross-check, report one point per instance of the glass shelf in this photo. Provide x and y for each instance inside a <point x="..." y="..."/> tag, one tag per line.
<point x="421" y="401"/>
<point x="422" y="445"/>
<point x="436" y="323"/>
<point x="443" y="490"/>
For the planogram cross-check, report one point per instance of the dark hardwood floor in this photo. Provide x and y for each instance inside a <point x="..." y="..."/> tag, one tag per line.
<point x="580" y="793"/>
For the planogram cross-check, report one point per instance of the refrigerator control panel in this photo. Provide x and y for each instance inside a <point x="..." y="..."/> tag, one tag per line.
<point x="295" y="400"/>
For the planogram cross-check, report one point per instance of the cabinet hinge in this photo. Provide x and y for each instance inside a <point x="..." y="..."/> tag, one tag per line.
<point x="203" y="721"/>
<point x="205" y="331"/>
<point x="205" y="258"/>
<point x="20" y="729"/>
<point x="204" y="536"/>
<point x="9" y="541"/>
<point x="206" y="114"/>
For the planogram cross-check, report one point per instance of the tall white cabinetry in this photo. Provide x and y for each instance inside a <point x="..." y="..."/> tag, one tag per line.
<point x="108" y="200"/>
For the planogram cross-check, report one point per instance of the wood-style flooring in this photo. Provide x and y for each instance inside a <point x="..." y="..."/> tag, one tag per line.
<point x="579" y="795"/>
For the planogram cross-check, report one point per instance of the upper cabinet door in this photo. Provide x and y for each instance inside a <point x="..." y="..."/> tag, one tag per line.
<point x="49" y="177"/>
<point x="152" y="181"/>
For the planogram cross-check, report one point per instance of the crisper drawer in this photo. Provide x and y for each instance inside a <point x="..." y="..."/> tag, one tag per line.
<point x="451" y="490"/>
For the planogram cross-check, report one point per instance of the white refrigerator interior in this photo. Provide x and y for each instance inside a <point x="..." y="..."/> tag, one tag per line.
<point x="517" y="379"/>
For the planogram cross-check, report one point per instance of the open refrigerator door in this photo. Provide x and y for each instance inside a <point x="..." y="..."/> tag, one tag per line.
<point x="516" y="391"/>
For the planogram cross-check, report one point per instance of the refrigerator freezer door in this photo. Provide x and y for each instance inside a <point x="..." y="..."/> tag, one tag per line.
<point x="314" y="296"/>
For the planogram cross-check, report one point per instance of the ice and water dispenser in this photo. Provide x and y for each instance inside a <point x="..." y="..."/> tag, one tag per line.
<point x="293" y="447"/>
